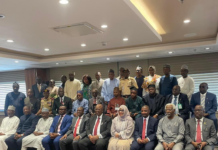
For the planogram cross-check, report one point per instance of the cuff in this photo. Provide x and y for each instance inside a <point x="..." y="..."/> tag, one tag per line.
<point x="80" y="137"/>
<point x="175" y="141"/>
<point x="148" y="139"/>
<point x="59" y="134"/>
<point x="100" y="136"/>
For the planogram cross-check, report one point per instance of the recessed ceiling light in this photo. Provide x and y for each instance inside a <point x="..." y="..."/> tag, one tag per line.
<point x="104" y="26"/>
<point x="83" y="45"/>
<point x="170" y="52"/>
<point x="81" y="60"/>
<point x="64" y="1"/>
<point x="207" y="48"/>
<point x="125" y="39"/>
<point x="108" y="58"/>
<point x="46" y="49"/>
<point x="57" y="63"/>
<point x="10" y="41"/>
<point x="16" y="61"/>
<point x="2" y="16"/>
<point x="186" y="21"/>
<point x="137" y="56"/>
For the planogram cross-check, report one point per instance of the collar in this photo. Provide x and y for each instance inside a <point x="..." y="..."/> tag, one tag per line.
<point x="201" y="120"/>
<point x="81" y="116"/>
<point x="203" y="94"/>
<point x="63" y="115"/>
<point x="176" y="96"/>
<point x="100" y="116"/>
<point x="39" y="84"/>
<point x="146" y="118"/>
<point x="62" y="97"/>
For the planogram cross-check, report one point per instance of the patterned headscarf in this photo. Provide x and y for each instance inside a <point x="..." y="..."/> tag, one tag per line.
<point x="153" y="67"/>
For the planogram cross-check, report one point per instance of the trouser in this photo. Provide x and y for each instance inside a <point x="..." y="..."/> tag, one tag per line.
<point x="177" y="146"/>
<point x="191" y="147"/>
<point x="69" y="140"/>
<point x="14" y="144"/>
<point x="47" y="141"/>
<point x="101" y="144"/>
<point x="148" y="146"/>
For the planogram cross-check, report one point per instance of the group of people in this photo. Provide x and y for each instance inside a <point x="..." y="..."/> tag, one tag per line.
<point x="117" y="113"/>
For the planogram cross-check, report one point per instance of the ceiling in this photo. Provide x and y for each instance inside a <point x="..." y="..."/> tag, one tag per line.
<point x="153" y="28"/>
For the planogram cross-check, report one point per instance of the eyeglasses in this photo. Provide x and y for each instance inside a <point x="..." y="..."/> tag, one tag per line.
<point x="121" y="110"/>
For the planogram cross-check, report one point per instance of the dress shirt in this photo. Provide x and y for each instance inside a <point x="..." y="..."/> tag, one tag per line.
<point x="59" y="127"/>
<point x="201" y="122"/>
<point x="146" y="127"/>
<point x="99" y="126"/>
<point x="39" y="87"/>
<point x="177" y="101"/>
<point x="203" y="96"/>
<point x="77" y="130"/>
<point x="62" y="99"/>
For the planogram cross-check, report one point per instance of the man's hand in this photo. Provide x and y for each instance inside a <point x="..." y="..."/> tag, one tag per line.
<point x="63" y="137"/>
<point x="139" y="141"/>
<point x="35" y="133"/>
<point x="91" y="139"/>
<point x="75" y="114"/>
<point x="205" y="115"/>
<point x="165" y="145"/>
<point x="18" y="136"/>
<point x="203" y="144"/>
<point x="145" y="141"/>
<point x="1" y="134"/>
<point x="95" y="138"/>
<point x="170" y="146"/>
<point x="117" y="135"/>
<point x="111" y="115"/>
<point x="195" y="144"/>
<point x="155" y="116"/>
<point x="76" y="138"/>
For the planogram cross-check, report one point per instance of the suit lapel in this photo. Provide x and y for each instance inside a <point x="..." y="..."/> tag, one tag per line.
<point x="199" y="98"/>
<point x="74" y="122"/>
<point x="204" y="128"/>
<point x="206" y="101"/>
<point x="82" y="123"/>
<point x="194" y="126"/>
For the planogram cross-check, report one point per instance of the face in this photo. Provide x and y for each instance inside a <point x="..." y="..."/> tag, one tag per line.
<point x="145" y="112"/>
<point x="79" y="96"/>
<point x="203" y="88"/>
<point x="61" y="92"/>
<point x="62" y="110"/>
<point x="121" y="72"/>
<point x="166" y="71"/>
<point x="38" y="80"/>
<point x="169" y="111"/>
<point x="51" y="83"/>
<point x="152" y="90"/>
<point x="184" y="72"/>
<point x="85" y="80"/>
<point x="138" y="72"/>
<point x="133" y="94"/>
<point x="71" y="76"/>
<point x="151" y="71"/>
<point x="15" y="88"/>
<point x="94" y="93"/>
<point x="116" y="93"/>
<point x="199" y="112"/>
<point x="80" y="111"/>
<point x="125" y="74"/>
<point x="30" y="93"/>
<point x="26" y="111"/>
<point x="121" y="112"/>
<point x="111" y="75"/>
<point x="176" y="90"/>
<point x="63" y="79"/>
<point x="97" y="76"/>
<point x="45" y="94"/>
<point x="45" y="115"/>
<point x="99" y="110"/>
<point x="10" y="113"/>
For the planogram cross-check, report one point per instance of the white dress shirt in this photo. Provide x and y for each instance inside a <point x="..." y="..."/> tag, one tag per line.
<point x="146" y="127"/>
<point x="201" y="123"/>
<point x="99" y="126"/>
<point x="77" y="130"/>
<point x="62" y="99"/>
<point x="187" y="86"/>
<point x="177" y="101"/>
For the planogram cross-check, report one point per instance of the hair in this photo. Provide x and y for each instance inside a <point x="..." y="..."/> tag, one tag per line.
<point x="132" y="88"/>
<point x="52" y="80"/>
<point x="63" y="76"/>
<point x="146" y="106"/>
<point x="81" y="107"/>
<point x="88" y="77"/>
<point x="111" y="71"/>
<point x="121" y="68"/>
<point x="116" y="88"/>
<point x="174" y="107"/>
<point x="63" y="106"/>
<point x="151" y="85"/>
<point x="28" y="107"/>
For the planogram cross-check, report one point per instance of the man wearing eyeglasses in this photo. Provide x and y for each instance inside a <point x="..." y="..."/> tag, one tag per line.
<point x="207" y="100"/>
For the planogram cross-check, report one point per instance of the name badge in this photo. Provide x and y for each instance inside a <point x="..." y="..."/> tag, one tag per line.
<point x="180" y="106"/>
<point x="117" y="106"/>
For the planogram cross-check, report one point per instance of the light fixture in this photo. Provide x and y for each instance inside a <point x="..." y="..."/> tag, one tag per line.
<point x="104" y="26"/>
<point x="125" y="39"/>
<point x="64" y="1"/>
<point x="16" y="61"/>
<point x="137" y="56"/>
<point x="2" y="16"/>
<point x="83" y="45"/>
<point x="10" y="41"/>
<point x="46" y="49"/>
<point x="108" y="58"/>
<point x="57" y="63"/>
<point x="207" y="48"/>
<point x="186" y="21"/>
<point x="81" y="61"/>
<point x="170" y="52"/>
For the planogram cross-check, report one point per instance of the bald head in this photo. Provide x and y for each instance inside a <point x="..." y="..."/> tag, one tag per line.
<point x="199" y="111"/>
<point x="98" y="75"/>
<point x="176" y="90"/>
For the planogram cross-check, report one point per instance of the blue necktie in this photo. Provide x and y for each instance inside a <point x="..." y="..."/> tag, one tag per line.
<point x="175" y="101"/>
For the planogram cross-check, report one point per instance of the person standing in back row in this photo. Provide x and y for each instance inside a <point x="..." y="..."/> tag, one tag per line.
<point x="139" y="80"/>
<point x="38" y="88"/>
<point x="98" y="83"/>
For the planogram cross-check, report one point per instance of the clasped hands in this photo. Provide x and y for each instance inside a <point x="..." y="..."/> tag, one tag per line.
<point x="37" y="133"/>
<point x="17" y="136"/>
<point x="202" y="145"/>
<point x="168" y="146"/>
<point x="93" y="139"/>
<point x="140" y="141"/>
<point x="53" y="135"/>
<point x="75" y="139"/>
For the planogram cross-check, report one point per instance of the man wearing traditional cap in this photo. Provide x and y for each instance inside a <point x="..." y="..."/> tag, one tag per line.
<point x="34" y="140"/>
<point x="80" y="102"/>
<point x="16" y="99"/>
<point x="167" y="82"/>
<point x="186" y="82"/>
<point x="98" y="83"/>
<point x="8" y="127"/>
<point x="46" y="102"/>
<point x="139" y="80"/>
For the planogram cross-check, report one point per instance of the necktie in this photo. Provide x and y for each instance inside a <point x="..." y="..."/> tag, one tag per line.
<point x="61" y="101"/>
<point x="94" y="102"/>
<point x="175" y="103"/>
<point x="77" y="124"/>
<point x="96" y="126"/>
<point x="203" y="101"/>
<point x="144" y="129"/>
<point x="59" y="121"/>
<point x="198" y="138"/>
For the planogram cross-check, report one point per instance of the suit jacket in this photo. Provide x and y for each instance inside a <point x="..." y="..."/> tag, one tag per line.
<point x="99" y="100"/>
<point x="39" y="94"/>
<point x="210" y="102"/>
<point x="183" y="100"/>
<point x="105" y="126"/>
<point x="82" y="128"/>
<point x="66" y="122"/>
<point x="151" y="128"/>
<point x="27" y="126"/>
<point x="67" y="102"/>
<point x="208" y="131"/>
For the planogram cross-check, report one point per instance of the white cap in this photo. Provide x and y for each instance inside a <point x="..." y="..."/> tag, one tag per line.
<point x="184" y="67"/>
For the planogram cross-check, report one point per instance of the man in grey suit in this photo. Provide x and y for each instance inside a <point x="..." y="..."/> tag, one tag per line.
<point x="94" y="101"/>
<point x="200" y="132"/>
<point x="76" y="131"/>
<point x="98" y="131"/>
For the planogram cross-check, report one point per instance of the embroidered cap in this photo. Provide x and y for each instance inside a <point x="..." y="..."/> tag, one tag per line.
<point x="45" y="110"/>
<point x="184" y="67"/>
<point x="11" y="107"/>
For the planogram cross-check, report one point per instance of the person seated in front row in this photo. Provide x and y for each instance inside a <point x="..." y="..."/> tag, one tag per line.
<point x="59" y="127"/>
<point x="181" y="102"/>
<point x="96" y="99"/>
<point x="98" y="131"/>
<point x="155" y="101"/>
<point x="76" y="132"/>
<point x="80" y="102"/>
<point x="170" y="132"/>
<point x="26" y="126"/>
<point x="134" y="104"/>
<point x="145" y="131"/>
<point x="115" y="103"/>
<point x="200" y="132"/>
<point x="121" y="130"/>
<point x="34" y="140"/>
<point x="46" y="102"/>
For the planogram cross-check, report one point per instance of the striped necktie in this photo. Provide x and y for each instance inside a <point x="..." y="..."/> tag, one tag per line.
<point x="203" y="101"/>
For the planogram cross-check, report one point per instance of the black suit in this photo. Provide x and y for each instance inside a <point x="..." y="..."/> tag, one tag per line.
<point x="67" y="102"/>
<point x="105" y="127"/>
<point x="39" y="94"/>
<point x="183" y="100"/>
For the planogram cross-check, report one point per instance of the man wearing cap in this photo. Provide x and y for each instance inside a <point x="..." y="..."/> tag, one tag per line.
<point x="98" y="83"/>
<point x="46" y="102"/>
<point x="80" y="102"/>
<point x="34" y="140"/>
<point x="167" y="82"/>
<point x="8" y="127"/>
<point x="16" y="99"/>
<point x="139" y="80"/>
<point x="38" y="88"/>
<point x="72" y="86"/>
<point x="186" y="82"/>
<point x="125" y="83"/>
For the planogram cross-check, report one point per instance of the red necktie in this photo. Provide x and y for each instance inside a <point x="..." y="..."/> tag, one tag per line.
<point x="96" y="126"/>
<point x="94" y="102"/>
<point x="144" y="129"/>
<point x="198" y="138"/>
<point x="77" y="124"/>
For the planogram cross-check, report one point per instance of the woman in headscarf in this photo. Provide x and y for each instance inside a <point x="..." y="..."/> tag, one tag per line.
<point x="151" y="79"/>
<point x="86" y="82"/>
<point x="121" y="130"/>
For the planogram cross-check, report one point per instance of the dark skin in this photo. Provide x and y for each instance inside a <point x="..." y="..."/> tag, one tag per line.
<point x="166" y="72"/>
<point x="98" y="76"/>
<point x="80" y="98"/>
<point x="10" y="114"/>
<point x="184" y="73"/>
<point x="61" y="92"/>
<point x="51" y="83"/>
<point x="121" y="72"/>
<point x="46" y="95"/>
<point x="86" y="81"/>
<point x="63" y="79"/>
<point x="45" y="116"/>
<point x="30" y="93"/>
<point x="38" y="80"/>
<point x="16" y="89"/>
<point x="151" y="71"/>
<point x="116" y="95"/>
<point x="111" y="76"/>
<point x="203" y="89"/>
<point x="71" y="76"/>
<point x="199" y="113"/>
<point x="138" y="73"/>
<point x="62" y="111"/>
<point x="98" y="111"/>
<point x="176" y="90"/>
<point x="94" y="94"/>
<point x="133" y="96"/>
<point x="80" y="112"/>
<point x="125" y="74"/>
<point x="152" y="92"/>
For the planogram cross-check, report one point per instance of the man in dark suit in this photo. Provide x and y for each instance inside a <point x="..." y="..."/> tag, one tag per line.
<point x="38" y="88"/>
<point x="59" y="127"/>
<point x="145" y="131"/>
<point x="200" y="132"/>
<point x="76" y="131"/>
<point x="207" y="100"/>
<point x="26" y="126"/>
<point x="98" y="131"/>
<point x="61" y="100"/>
<point x="180" y="101"/>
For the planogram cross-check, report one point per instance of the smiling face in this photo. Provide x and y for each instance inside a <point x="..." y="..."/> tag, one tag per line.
<point x="121" y="112"/>
<point x="145" y="111"/>
<point x="151" y="71"/>
<point x="169" y="111"/>
<point x="99" y="109"/>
